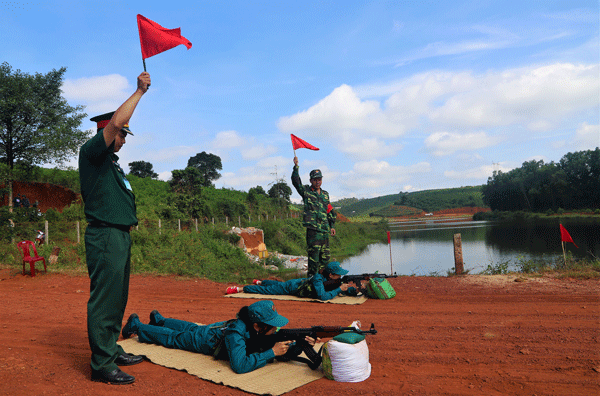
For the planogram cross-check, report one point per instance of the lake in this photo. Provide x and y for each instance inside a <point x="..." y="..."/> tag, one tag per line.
<point x="427" y="248"/>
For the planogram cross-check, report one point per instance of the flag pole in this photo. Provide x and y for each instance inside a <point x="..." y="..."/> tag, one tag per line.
<point x="390" y="244"/>
<point x="564" y="254"/>
<point x="144" y="60"/>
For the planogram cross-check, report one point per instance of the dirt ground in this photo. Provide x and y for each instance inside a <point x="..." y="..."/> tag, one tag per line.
<point x="472" y="335"/>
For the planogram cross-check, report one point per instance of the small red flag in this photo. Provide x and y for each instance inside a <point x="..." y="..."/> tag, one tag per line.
<point x="389" y="238"/>
<point x="156" y="39"/>
<point x="565" y="237"/>
<point x="329" y="208"/>
<point x="299" y="143"/>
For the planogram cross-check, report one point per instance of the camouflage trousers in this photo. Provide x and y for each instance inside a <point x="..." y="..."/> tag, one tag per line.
<point x="318" y="250"/>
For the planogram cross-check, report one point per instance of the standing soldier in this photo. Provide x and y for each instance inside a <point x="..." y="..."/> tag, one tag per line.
<point x="318" y="218"/>
<point x="111" y="213"/>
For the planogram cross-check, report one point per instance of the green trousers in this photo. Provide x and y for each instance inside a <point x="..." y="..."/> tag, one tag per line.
<point x="108" y="256"/>
<point x="317" y="250"/>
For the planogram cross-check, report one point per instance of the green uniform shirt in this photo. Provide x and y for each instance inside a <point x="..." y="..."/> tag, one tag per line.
<point x="106" y="192"/>
<point x="316" y="214"/>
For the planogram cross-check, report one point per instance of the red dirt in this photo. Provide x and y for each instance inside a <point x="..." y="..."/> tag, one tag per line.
<point x="472" y="335"/>
<point x="48" y="195"/>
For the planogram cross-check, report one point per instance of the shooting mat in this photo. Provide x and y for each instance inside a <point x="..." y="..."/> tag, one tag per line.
<point x="336" y="300"/>
<point x="273" y="379"/>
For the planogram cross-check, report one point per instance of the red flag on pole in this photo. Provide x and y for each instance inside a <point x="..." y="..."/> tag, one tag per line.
<point x="389" y="238"/>
<point x="299" y="143"/>
<point x="565" y="237"/>
<point x="156" y="39"/>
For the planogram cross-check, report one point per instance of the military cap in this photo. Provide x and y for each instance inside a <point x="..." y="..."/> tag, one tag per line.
<point x="334" y="267"/>
<point x="315" y="174"/>
<point x="104" y="119"/>
<point x="264" y="312"/>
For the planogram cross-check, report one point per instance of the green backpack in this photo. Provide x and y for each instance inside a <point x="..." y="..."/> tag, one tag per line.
<point x="380" y="288"/>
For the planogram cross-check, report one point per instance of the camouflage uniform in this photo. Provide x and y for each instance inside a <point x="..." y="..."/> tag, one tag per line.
<point x="319" y="219"/>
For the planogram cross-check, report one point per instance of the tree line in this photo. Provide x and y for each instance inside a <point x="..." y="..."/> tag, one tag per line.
<point x="573" y="183"/>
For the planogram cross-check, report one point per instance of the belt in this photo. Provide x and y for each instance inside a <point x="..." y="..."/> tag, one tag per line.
<point x="101" y="224"/>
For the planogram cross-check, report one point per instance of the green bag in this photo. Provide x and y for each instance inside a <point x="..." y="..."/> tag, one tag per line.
<point x="380" y="288"/>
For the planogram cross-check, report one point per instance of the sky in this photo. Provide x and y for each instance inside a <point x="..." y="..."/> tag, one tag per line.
<point x="397" y="95"/>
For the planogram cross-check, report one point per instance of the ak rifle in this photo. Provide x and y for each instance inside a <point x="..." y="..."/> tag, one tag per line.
<point x="361" y="277"/>
<point x="299" y="335"/>
<point x="356" y="279"/>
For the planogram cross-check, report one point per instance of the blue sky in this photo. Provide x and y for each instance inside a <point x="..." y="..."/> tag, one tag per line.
<point x="398" y="95"/>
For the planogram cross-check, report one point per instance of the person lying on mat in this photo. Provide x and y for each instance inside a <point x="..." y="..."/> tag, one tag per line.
<point x="323" y="286"/>
<point x="237" y="340"/>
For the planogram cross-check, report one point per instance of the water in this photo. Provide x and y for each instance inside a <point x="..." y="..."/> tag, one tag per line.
<point x="419" y="248"/>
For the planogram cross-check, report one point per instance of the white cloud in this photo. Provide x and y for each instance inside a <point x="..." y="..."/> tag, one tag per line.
<point x="170" y="154"/>
<point x="479" y="173"/>
<point x="342" y="110"/>
<point x="587" y="137"/>
<point x="258" y="151"/>
<point x="365" y="122"/>
<point x="99" y="94"/>
<point x="227" y="140"/>
<point x="165" y="176"/>
<point x="445" y="143"/>
<point x="377" y="174"/>
<point x="526" y="95"/>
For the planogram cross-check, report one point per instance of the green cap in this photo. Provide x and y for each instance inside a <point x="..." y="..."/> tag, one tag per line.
<point x="264" y="312"/>
<point x="334" y="267"/>
<point x="315" y="174"/>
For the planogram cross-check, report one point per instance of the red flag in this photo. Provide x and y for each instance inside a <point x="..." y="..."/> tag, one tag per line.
<point x="156" y="39"/>
<point x="299" y="143"/>
<point x="329" y="208"/>
<point x="565" y="237"/>
<point x="389" y="238"/>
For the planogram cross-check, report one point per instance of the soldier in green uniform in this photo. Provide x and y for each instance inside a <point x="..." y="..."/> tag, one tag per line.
<point x="111" y="213"/>
<point x="318" y="218"/>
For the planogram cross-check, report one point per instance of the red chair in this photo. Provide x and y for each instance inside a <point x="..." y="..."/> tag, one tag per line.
<point x="27" y="258"/>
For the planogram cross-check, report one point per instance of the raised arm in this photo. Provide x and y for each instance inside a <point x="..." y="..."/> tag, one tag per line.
<point x="125" y="111"/>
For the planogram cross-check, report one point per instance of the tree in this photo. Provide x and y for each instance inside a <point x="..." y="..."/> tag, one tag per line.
<point x="37" y="125"/>
<point x="188" y="180"/>
<point x="208" y="165"/>
<point x="187" y="184"/>
<point x="280" y="190"/>
<point x="142" y="169"/>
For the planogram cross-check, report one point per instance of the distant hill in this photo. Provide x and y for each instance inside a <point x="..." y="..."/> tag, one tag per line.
<point x="427" y="200"/>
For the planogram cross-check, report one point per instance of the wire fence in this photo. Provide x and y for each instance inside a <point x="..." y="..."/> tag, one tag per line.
<point x="73" y="230"/>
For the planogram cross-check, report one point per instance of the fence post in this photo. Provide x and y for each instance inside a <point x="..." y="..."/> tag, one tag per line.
<point x="240" y="221"/>
<point x="226" y="220"/>
<point x="196" y="225"/>
<point x="179" y="224"/>
<point x="78" y="232"/>
<point x="213" y="221"/>
<point x="458" y="256"/>
<point x="159" y="228"/>
<point x="46" y="231"/>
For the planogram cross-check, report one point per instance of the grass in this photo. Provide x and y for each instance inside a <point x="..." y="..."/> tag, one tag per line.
<point x="588" y="268"/>
<point x="208" y="253"/>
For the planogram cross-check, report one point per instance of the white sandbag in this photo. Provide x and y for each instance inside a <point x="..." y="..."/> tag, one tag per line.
<point x="349" y="362"/>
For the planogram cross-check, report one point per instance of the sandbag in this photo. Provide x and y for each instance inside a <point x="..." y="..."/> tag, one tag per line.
<point x="380" y="288"/>
<point x="345" y="362"/>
